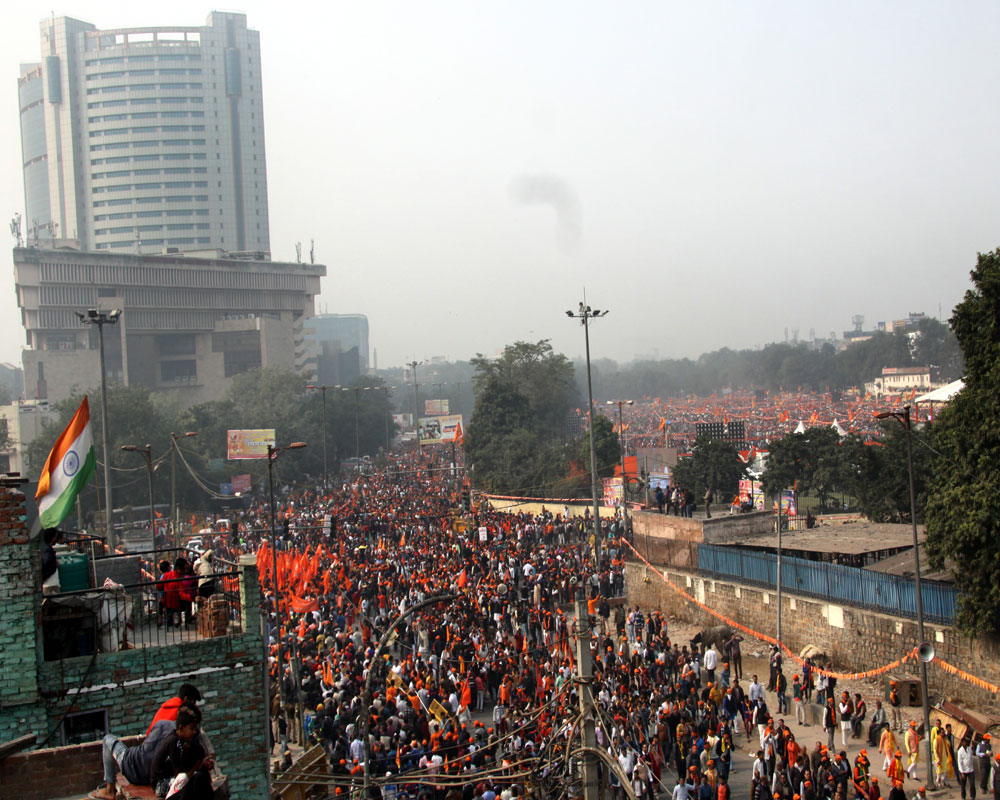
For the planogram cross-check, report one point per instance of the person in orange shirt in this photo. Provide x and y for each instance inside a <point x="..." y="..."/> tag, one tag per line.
<point x="895" y="771"/>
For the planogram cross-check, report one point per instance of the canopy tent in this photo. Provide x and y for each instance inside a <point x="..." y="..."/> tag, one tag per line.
<point x="942" y="394"/>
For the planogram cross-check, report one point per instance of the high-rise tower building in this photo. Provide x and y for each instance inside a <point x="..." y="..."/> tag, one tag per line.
<point x="145" y="140"/>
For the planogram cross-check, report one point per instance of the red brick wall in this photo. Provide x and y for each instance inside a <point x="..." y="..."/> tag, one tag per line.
<point x="59" y="772"/>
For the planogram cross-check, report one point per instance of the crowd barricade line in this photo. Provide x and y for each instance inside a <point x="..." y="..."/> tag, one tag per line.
<point x="872" y="673"/>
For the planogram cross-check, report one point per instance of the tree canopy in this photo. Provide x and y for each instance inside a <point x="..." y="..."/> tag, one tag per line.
<point x="261" y="398"/>
<point x="713" y="464"/>
<point x="963" y="506"/>
<point x="516" y="441"/>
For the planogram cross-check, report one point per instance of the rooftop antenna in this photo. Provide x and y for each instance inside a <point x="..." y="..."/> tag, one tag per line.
<point x="15" y="231"/>
<point x="298" y="252"/>
<point x="312" y="251"/>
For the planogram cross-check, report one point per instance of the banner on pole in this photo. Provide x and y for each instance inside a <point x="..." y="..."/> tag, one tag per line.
<point x="439" y="430"/>
<point x="246" y="444"/>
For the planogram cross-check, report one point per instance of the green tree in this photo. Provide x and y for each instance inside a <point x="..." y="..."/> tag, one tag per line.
<point x="713" y="464"/>
<point x="515" y="442"/>
<point x="542" y="376"/>
<point x="936" y="346"/>
<point x="809" y="462"/>
<point x="607" y="448"/>
<point x="963" y="510"/>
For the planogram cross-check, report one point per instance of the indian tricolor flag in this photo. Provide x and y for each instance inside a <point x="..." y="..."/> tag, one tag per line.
<point x="67" y="469"/>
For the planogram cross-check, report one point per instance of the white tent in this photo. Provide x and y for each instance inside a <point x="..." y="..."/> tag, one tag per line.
<point x="840" y="431"/>
<point x="942" y="394"/>
<point x="800" y="428"/>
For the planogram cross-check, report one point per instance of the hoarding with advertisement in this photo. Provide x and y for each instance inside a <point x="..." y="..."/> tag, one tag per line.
<point x="436" y="407"/>
<point x="403" y="421"/>
<point x="241" y="483"/>
<point x="249" y="443"/>
<point x="612" y="492"/>
<point x="438" y="430"/>
<point x="750" y="491"/>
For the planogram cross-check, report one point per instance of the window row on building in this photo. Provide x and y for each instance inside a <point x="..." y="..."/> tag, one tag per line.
<point x="130" y="275"/>
<point x="144" y="58"/>
<point x="142" y="87"/>
<point x="122" y="73"/>
<point x="242" y="299"/>
<point x="94" y="148"/>
<point x="127" y="173"/>
<point x="174" y="198"/>
<point x="145" y="101"/>
<point x="126" y="244"/>
<point x="127" y="187"/>
<point x="170" y="212"/>
<point x="131" y="229"/>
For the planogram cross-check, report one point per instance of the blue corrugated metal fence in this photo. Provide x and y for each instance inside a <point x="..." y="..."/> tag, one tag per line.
<point x="858" y="587"/>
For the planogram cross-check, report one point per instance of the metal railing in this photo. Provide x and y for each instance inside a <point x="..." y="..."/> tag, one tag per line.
<point x="865" y="588"/>
<point x="149" y="614"/>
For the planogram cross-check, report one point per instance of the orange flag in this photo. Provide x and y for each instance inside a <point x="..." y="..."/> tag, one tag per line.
<point x="463" y="579"/>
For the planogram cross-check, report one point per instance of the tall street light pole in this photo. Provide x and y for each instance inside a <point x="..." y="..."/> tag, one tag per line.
<point x="388" y="418"/>
<point x="326" y="472"/>
<point x="272" y="456"/>
<point x="175" y="527"/>
<point x="100" y="319"/>
<point x="621" y="447"/>
<point x="416" y="398"/>
<point x="905" y="420"/>
<point x="585" y="314"/>
<point x="147" y="453"/>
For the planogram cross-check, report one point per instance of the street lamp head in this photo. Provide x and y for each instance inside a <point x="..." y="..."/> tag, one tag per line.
<point x="130" y="448"/>
<point x="189" y="434"/>
<point x="297" y="445"/>
<point x="114" y="314"/>
<point x="630" y="402"/>
<point x="92" y="313"/>
<point x="568" y="314"/>
<point x="81" y="315"/>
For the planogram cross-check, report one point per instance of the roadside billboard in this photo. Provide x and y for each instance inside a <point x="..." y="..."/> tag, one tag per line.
<point x="438" y="430"/>
<point x="249" y="443"/>
<point x="403" y="421"/>
<point x="436" y="408"/>
<point x="241" y="483"/>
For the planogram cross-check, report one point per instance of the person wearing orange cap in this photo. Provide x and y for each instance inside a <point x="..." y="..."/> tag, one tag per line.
<point x="912" y="742"/>
<point x="895" y="771"/>
<point x="846" y="707"/>
<point x="798" y="697"/>
<point x="984" y="752"/>
<point x="887" y="746"/>
<point x="830" y="721"/>
<point x="897" y="793"/>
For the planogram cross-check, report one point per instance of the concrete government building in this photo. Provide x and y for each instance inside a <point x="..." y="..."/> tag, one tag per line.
<point x="189" y="322"/>
<point x="145" y="137"/>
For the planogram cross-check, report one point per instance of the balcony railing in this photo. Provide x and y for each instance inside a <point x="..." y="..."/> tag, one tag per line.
<point x="149" y="614"/>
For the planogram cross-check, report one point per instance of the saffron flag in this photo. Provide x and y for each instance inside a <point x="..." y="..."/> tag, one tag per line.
<point x="459" y="435"/>
<point x="67" y="470"/>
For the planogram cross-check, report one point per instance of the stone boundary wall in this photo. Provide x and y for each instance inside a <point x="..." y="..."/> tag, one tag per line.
<point x="855" y="638"/>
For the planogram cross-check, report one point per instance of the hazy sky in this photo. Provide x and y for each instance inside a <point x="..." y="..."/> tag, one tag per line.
<point x="712" y="172"/>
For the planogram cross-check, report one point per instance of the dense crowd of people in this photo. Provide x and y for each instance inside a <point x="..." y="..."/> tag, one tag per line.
<point x="439" y="651"/>
<point x="671" y="421"/>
